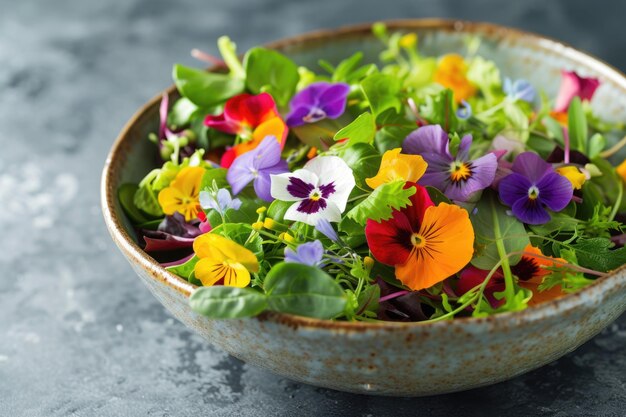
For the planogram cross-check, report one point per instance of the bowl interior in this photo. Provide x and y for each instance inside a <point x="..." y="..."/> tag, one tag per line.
<point x="517" y="54"/>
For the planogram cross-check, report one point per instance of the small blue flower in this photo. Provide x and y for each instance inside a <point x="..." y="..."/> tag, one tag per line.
<point x="309" y="253"/>
<point x="519" y="90"/>
<point x="464" y="112"/>
<point x="219" y="200"/>
<point x="324" y="227"/>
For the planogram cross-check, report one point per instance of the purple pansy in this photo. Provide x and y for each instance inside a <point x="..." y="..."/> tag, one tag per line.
<point x="519" y="90"/>
<point x="318" y="101"/>
<point x="532" y="187"/>
<point x="319" y="190"/>
<point x="309" y="253"/>
<point x="457" y="177"/>
<point x="257" y="165"/>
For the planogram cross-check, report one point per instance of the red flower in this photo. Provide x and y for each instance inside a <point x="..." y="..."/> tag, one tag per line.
<point x="252" y="118"/>
<point x="426" y="243"/>
<point x="529" y="271"/>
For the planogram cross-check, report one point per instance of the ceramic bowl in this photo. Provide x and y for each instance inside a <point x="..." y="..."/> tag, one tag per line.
<point x="407" y="359"/>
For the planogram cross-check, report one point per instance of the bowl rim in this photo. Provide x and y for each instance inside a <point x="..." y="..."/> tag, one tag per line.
<point x="602" y="286"/>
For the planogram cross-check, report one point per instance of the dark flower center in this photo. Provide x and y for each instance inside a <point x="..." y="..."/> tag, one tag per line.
<point x="315" y="115"/>
<point x="525" y="269"/>
<point x="460" y="171"/>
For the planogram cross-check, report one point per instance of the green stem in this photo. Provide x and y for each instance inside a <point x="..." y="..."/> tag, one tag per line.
<point x="509" y="288"/>
<point x="618" y="200"/>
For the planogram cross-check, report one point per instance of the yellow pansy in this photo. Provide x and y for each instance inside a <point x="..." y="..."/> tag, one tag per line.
<point x="395" y="165"/>
<point x="574" y="176"/>
<point x="452" y="73"/>
<point x="221" y="259"/>
<point x="182" y="194"/>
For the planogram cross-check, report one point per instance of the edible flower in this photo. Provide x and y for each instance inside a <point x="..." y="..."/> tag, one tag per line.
<point x="425" y="243"/>
<point x="395" y="165"/>
<point x="452" y="73"/>
<point x="464" y="112"/>
<point x="252" y="117"/>
<point x="621" y="170"/>
<point x="573" y="85"/>
<point x="219" y="200"/>
<point x="320" y="190"/>
<point x="573" y="174"/>
<point x="182" y="194"/>
<point x="529" y="271"/>
<point x="309" y="253"/>
<point x="457" y="177"/>
<point x="519" y="90"/>
<point x="318" y="101"/>
<point x="324" y="227"/>
<point x="532" y="186"/>
<point x="222" y="260"/>
<point x="256" y="166"/>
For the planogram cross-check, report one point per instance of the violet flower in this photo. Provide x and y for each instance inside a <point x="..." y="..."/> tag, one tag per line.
<point x="532" y="187"/>
<point x="256" y="166"/>
<point x="573" y="85"/>
<point x="464" y="111"/>
<point x="309" y="253"/>
<point x="456" y="176"/>
<point x="318" y="101"/>
<point x="519" y="90"/>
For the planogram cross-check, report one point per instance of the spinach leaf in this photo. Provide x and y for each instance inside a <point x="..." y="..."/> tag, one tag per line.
<point x="222" y="302"/>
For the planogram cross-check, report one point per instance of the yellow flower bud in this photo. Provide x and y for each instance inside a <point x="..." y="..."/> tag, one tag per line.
<point x="573" y="174"/>
<point x="286" y="237"/>
<point x="368" y="261"/>
<point x="257" y="225"/>
<point x="408" y="41"/>
<point x="269" y="223"/>
<point x="261" y="210"/>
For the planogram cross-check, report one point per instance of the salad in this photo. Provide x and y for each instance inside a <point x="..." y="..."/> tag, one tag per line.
<point x="417" y="188"/>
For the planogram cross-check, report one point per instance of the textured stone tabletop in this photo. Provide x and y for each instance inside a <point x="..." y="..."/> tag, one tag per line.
<point x="79" y="334"/>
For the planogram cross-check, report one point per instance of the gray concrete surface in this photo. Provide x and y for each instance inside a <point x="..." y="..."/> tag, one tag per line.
<point x="79" y="334"/>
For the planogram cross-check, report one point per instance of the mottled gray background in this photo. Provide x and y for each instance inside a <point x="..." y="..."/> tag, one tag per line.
<point x="79" y="334"/>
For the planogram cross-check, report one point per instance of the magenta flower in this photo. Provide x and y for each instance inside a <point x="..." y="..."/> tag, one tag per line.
<point x="456" y="176"/>
<point x="532" y="187"/>
<point x="573" y="85"/>
<point x="316" y="102"/>
<point x="257" y="166"/>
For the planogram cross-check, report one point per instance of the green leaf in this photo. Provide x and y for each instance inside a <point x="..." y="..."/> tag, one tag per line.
<point x="368" y="299"/>
<point x="246" y="213"/>
<point x="205" y="89"/>
<point x="380" y="204"/>
<point x="278" y="208"/>
<point x="146" y="199"/>
<point x="596" y="254"/>
<point x="186" y="269"/>
<point x="596" y="144"/>
<point x="348" y="70"/>
<point x="577" y="125"/>
<point x="216" y="174"/>
<point x="126" y="195"/>
<point x="517" y="120"/>
<point x="181" y="112"/>
<point x="382" y="91"/>
<point x="391" y="137"/>
<point x="362" y="129"/>
<point x="355" y="233"/>
<point x="304" y="290"/>
<point x="222" y="302"/>
<point x="240" y="233"/>
<point x="438" y="109"/>
<point x="513" y="234"/>
<point x="437" y="196"/>
<point x="364" y="161"/>
<point x="486" y="75"/>
<point x="270" y="71"/>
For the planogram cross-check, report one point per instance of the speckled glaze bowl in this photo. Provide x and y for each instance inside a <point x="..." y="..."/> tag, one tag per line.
<point x="407" y="359"/>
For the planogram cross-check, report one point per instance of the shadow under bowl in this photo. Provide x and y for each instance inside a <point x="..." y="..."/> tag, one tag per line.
<point x="407" y="359"/>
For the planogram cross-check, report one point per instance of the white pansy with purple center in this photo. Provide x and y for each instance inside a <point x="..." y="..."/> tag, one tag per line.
<point x="320" y="190"/>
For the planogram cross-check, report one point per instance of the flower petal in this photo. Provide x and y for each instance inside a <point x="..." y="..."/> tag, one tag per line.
<point x="390" y="240"/>
<point x="449" y="246"/>
<point x="309" y="253"/>
<point x="281" y="183"/>
<point x="427" y="139"/>
<point x="295" y="118"/>
<point x="483" y="174"/>
<point x="297" y="213"/>
<point x="530" y="211"/>
<point x="249" y="109"/>
<point x="332" y="170"/>
<point x="513" y="187"/>
<point x="573" y="85"/>
<point x="555" y="191"/>
<point x="333" y="99"/>
<point x="220" y="249"/>
<point x="530" y="165"/>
